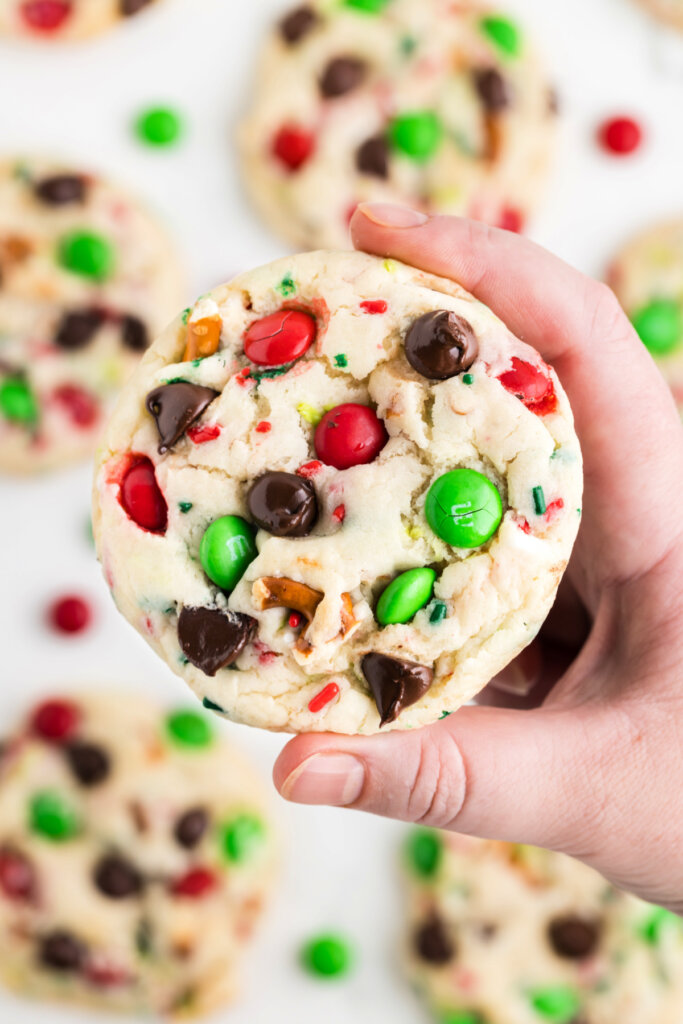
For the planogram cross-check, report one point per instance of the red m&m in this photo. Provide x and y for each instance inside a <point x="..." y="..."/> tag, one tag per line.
<point x="141" y="498"/>
<point x="620" y="135"/>
<point x="17" y="878"/>
<point x="531" y="385"/>
<point x="350" y="435"/>
<point x="55" y="720"/>
<point x="293" y="146"/>
<point x="198" y="882"/>
<point x="280" y="338"/>
<point x="45" y="15"/>
<point x="70" y="614"/>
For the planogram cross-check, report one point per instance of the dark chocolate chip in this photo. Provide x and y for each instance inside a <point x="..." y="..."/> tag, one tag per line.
<point x="61" y="951"/>
<point x="77" y="329"/>
<point x="190" y="828"/>
<point x="395" y="684"/>
<point x="373" y="157"/>
<point x="134" y="333"/>
<point x="89" y="762"/>
<point x="433" y="943"/>
<point x="342" y="75"/>
<point x="61" y="189"/>
<point x="574" y="937"/>
<point x="175" y="407"/>
<point x="440" y="345"/>
<point x="283" y="504"/>
<point x="130" y="7"/>
<point x="212" y="639"/>
<point x="295" y="26"/>
<point x="492" y="88"/>
<point x="117" y="878"/>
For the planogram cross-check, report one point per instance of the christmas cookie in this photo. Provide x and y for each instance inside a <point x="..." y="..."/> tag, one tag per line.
<point x="338" y="495"/>
<point x="439" y="105"/>
<point x="504" y="934"/>
<point x="135" y="856"/>
<point x="65" y="19"/>
<point x="87" y="278"/>
<point x="647" y="277"/>
<point x="668" y="10"/>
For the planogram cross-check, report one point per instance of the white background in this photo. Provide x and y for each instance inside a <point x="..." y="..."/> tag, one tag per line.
<point x="607" y="57"/>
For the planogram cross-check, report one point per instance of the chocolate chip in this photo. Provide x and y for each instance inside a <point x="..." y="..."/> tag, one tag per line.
<point x="89" y="762"/>
<point x="574" y="937"/>
<point x="373" y="157"/>
<point x="284" y="504"/>
<point x="395" y="684"/>
<point x="295" y="26"/>
<point x="342" y="75"/>
<point x="433" y="943"/>
<point x="77" y="329"/>
<point x="61" y="189"/>
<point x="134" y="333"/>
<point x="212" y="639"/>
<point x="117" y="878"/>
<point x="440" y="345"/>
<point x="130" y="7"/>
<point x="61" y="951"/>
<point x="175" y="407"/>
<point x="492" y="88"/>
<point x="190" y="828"/>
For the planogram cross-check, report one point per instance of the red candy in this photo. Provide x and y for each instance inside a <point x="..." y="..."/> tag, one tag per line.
<point x="70" y="614"/>
<point x="45" y="15"/>
<point x="309" y="469"/>
<point x="82" y="407"/>
<point x="279" y="338"/>
<point x="55" y="720"/>
<point x="200" y="435"/>
<point x="293" y="146"/>
<point x="17" y="880"/>
<point x="511" y="220"/>
<point x="294" y="620"/>
<point x="325" y="697"/>
<point x="531" y="386"/>
<point x="374" y="306"/>
<point x="350" y="435"/>
<point x="141" y="498"/>
<point x="620" y="135"/>
<point x="264" y="427"/>
<point x="339" y="513"/>
<point x="198" y="882"/>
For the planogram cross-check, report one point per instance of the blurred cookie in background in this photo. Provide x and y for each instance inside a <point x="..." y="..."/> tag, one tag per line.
<point x="507" y="934"/>
<point x="87" y="278"/>
<point x="135" y="856"/>
<point x="647" y="277"/>
<point x="438" y="105"/>
<point x="667" y="10"/>
<point x="66" y="19"/>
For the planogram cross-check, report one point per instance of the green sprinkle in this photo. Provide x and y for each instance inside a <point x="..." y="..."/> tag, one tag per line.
<point x="308" y="413"/>
<point x="327" y="956"/>
<point x="367" y="6"/>
<point x="654" y="926"/>
<point x="18" y="404"/>
<point x="287" y="286"/>
<point x="408" y="45"/>
<point x="278" y="371"/>
<point x="53" y="817"/>
<point x="461" y="1017"/>
<point x="189" y="729"/>
<point x="341" y="361"/>
<point x="445" y="714"/>
<point x="186" y="314"/>
<point x="503" y="33"/>
<point x="559" y="1004"/>
<point x="468" y="379"/>
<point x="241" y="837"/>
<point x="159" y="126"/>
<point x="539" y="500"/>
<point x="143" y="937"/>
<point x="196" y="362"/>
<point x="389" y="266"/>
<point x="424" y="851"/>
<point x="89" y="535"/>
<point x="185" y="506"/>
<point x="22" y="172"/>
<point x="438" y="612"/>
<point x="210" y="706"/>
<point x="87" y="254"/>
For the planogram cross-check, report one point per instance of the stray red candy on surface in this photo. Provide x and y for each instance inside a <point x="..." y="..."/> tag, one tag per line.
<point x="350" y="435"/>
<point x="70" y="614"/>
<point x="55" y="720"/>
<point x="620" y="135"/>
<point x="280" y="338"/>
<point x="17" y="878"/>
<point x="374" y="306"/>
<point x="531" y="386"/>
<point x="82" y="407"/>
<point x="293" y="146"/>
<point x="325" y="697"/>
<point x="198" y="882"/>
<point x="141" y="498"/>
<point x="200" y="435"/>
<point x="45" y="15"/>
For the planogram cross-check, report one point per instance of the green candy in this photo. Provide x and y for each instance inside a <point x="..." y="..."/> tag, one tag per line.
<point x="159" y="126"/>
<point x="242" y="836"/>
<point x="504" y="33"/>
<point x="461" y="1017"/>
<point x="189" y="729"/>
<point x="368" y="6"/>
<point x="424" y="852"/>
<point x="53" y="817"/>
<point x="417" y="135"/>
<point x="660" y="325"/>
<point x="17" y="402"/>
<point x="87" y="254"/>
<point x="226" y="550"/>
<point x="464" y="508"/>
<point x="656" y="924"/>
<point x="559" y="1004"/>
<point x="405" y="595"/>
<point x="327" y="956"/>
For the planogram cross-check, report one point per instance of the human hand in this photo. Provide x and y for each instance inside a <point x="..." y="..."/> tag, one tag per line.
<point x="595" y="768"/>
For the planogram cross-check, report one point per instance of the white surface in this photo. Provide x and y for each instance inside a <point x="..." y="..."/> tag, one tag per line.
<point x="197" y="54"/>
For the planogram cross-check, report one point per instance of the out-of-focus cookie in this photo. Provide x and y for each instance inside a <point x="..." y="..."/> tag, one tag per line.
<point x="65" y="19"/>
<point x="670" y="11"/>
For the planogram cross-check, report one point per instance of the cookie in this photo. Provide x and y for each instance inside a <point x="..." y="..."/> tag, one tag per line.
<point x="670" y="11"/>
<point x="65" y="19"/>
<point x="505" y="934"/>
<point x="438" y="105"/>
<point x="135" y="856"/>
<point x="338" y="495"/>
<point x="647" y="277"/>
<point x="87" y="279"/>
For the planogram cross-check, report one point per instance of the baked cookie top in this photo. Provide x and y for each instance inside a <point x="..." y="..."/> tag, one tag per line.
<point x="439" y="105"/>
<point x="65" y="19"/>
<point x="338" y="495"/>
<point x="87" y="279"/>
<point x="670" y="11"/>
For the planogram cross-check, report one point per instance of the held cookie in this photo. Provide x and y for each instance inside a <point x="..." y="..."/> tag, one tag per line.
<point x="65" y="19"/>
<point x="438" y="105"/>
<point x="338" y="495"/>
<point x="87" y="279"/>
<point x="134" y="857"/>
<point x="505" y="934"/>
<point x="647" y="277"/>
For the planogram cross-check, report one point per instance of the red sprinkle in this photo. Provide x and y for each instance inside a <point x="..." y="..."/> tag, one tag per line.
<point x="198" y="882"/>
<point x="531" y="386"/>
<point x="374" y="306"/>
<point x="45" y="15"/>
<point x="17" y="879"/>
<point x="200" y="435"/>
<point x="105" y="975"/>
<point x="82" y="407"/>
<point x="309" y="469"/>
<point x="55" y="720"/>
<point x="295" y="620"/>
<point x="339" y="513"/>
<point x="620" y="135"/>
<point x="70" y="614"/>
<point x="323" y="698"/>
<point x="552" y="509"/>
<point x="141" y="498"/>
<point x="511" y="220"/>
<point x="264" y="427"/>
<point x="280" y="338"/>
<point x="523" y="524"/>
<point x="293" y="146"/>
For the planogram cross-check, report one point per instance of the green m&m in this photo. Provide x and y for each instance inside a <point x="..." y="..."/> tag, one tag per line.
<point x="226" y="550"/>
<point x="368" y="6"/>
<point x="464" y="508"/>
<point x="405" y="595"/>
<point x="558" y="1004"/>
<point x="328" y="956"/>
<point x="189" y="729"/>
<point x="503" y="33"/>
<point x="461" y="1017"/>
<point x="241" y="837"/>
<point x="660" y="325"/>
<point x="657" y="923"/>
<point x="424" y="852"/>
<point x="417" y="134"/>
<point x="87" y="254"/>
<point x="159" y="126"/>
<point x="53" y="817"/>
<point x="17" y="401"/>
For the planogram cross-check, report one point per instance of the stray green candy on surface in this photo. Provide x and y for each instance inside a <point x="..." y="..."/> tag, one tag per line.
<point x="558" y="1004"/>
<point x="189" y="729"/>
<point x="424" y="851"/>
<point x="464" y="508"/>
<point x="660" y="325"/>
<point x="53" y="817"/>
<point x="417" y="135"/>
<point x="242" y="836"/>
<point x="226" y="550"/>
<point x="504" y="33"/>
<point x="405" y="595"/>
<point x="17" y="402"/>
<point x="327" y="956"/>
<point x="87" y="254"/>
<point x="159" y="126"/>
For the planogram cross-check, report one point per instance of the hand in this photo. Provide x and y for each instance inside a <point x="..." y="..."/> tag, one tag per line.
<point x="595" y="769"/>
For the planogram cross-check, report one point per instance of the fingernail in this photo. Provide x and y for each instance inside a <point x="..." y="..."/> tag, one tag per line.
<point x="521" y="675"/>
<point x="388" y="215"/>
<point x="333" y="779"/>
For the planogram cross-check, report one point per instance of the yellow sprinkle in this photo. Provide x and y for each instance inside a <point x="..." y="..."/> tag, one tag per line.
<point x="390" y="266"/>
<point x="308" y="413"/>
<point x="414" y="532"/>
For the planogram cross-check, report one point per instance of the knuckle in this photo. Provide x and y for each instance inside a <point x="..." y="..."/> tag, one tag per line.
<point x="607" y="320"/>
<point x="437" y="785"/>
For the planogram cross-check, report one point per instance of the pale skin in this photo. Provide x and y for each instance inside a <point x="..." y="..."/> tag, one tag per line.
<point x="590" y="762"/>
